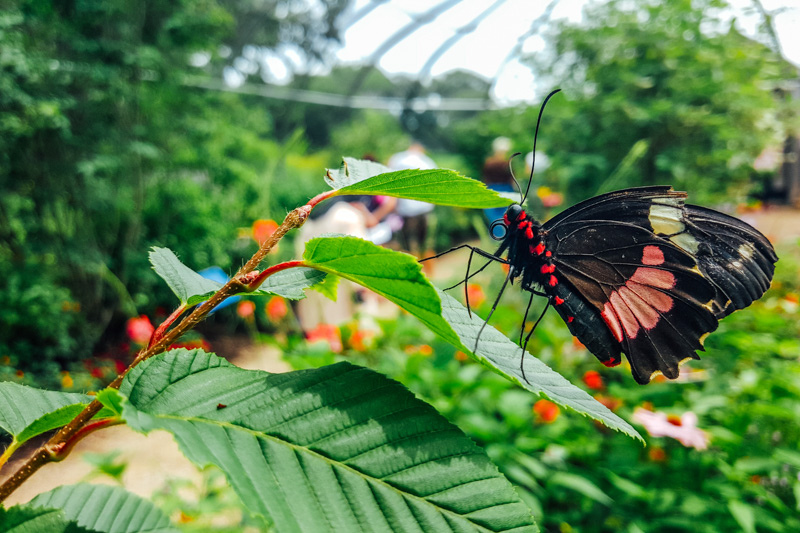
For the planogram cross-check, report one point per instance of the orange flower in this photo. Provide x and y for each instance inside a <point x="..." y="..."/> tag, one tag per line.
<point x="139" y="329"/>
<point x="546" y="411"/>
<point x="328" y="333"/>
<point x="276" y="309"/>
<point x="461" y="356"/>
<point x="263" y="229"/>
<point x="66" y="380"/>
<point x="593" y="380"/>
<point x="245" y="309"/>
<point x="475" y="294"/>
<point x="425" y="350"/>
<point x="657" y="454"/>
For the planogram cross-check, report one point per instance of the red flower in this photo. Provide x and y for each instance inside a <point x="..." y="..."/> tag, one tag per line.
<point x="593" y="380"/>
<point x="276" y="309"/>
<point x="139" y="329"/>
<point x="263" y="229"/>
<point x="245" y="309"/>
<point x="98" y="373"/>
<point x="328" y="333"/>
<point x="546" y="411"/>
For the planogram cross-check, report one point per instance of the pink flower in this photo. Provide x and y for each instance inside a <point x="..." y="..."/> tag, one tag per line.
<point x="683" y="428"/>
<point x="139" y="329"/>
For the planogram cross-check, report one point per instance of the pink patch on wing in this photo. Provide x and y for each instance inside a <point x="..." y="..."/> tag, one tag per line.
<point x="611" y="321"/>
<point x="645" y="315"/>
<point x="654" y="297"/>
<point x="652" y="255"/>
<point x="626" y="317"/>
<point x="661" y="279"/>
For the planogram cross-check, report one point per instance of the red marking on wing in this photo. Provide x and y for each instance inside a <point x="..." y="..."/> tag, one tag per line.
<point x="559" y="301"/>
<point x="637" y="304"/>
<point x="625" y="315"/>
<point x="548" y="254"/>
<point x="659" y="300"/>
<point x="570" y="319"/>
<point x="654" y="277"/>
<point x="652" y="255"/>
<point x="645" y="315"/>
<point x="529" y="231"/>
<point x="548" y="269"/>
<point x="539" y="249"/>
<point x="611" y="321"/>
<point x="612" y="362"/>
<point x="552" y="281"/>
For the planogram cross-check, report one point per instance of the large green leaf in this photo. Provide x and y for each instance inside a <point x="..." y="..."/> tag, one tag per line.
<point x="502" y="355"/>
<point x="26" y="412"/>
<point x="105" y="509"/>
<point x="340" y="448"/>
<point x="436" y="186"/>
<point x="191" y="288"/>
<point x="394" y="275"/>
<point x="25" y="519"/>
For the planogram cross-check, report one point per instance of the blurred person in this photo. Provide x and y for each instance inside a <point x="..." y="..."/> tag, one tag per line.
<point x="414" y="213"/>
<point x="496" y="174"/>
<point x="379" y="216"/>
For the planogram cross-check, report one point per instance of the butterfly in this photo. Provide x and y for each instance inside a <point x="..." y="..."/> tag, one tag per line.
<point x="636" y="271"/>
<point x="640" y="272"/>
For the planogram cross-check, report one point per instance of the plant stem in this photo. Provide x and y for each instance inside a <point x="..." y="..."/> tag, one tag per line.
<point x="8" y="452"/>
<point x="57" y="447"/>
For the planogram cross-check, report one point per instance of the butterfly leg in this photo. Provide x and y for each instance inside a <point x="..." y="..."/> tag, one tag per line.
<point x="528" y="338"/>
<point x="475" y="249"/>
<point x="494" y="306"/>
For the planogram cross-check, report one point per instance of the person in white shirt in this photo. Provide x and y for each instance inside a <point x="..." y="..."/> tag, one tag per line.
<point x="415" y="213"/>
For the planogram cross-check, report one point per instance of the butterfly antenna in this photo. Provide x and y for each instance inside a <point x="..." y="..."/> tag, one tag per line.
<point x="494" y="306"/>
<point x="528" y="338"/>
<point x="535" y="137"/>
<point x="513" y="177"/>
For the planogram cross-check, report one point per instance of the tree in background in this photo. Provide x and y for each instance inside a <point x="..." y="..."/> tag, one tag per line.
<point x="104" y="151"/>
<point x="659" y="92"/>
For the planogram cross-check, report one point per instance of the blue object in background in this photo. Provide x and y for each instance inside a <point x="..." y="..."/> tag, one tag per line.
<point x="215" y="273"/>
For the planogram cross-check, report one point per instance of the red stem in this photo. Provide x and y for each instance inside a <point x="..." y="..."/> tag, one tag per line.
<point x="159" y="333"/>
<point x="60" y="451"/>
<point x="320" y="197"/>
<point x="256" y="283"/>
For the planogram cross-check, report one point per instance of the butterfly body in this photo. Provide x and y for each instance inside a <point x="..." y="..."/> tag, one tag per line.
<point x="640" y="272"/>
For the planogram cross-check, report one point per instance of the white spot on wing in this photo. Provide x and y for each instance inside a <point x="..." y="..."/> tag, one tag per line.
<point x="686" y="241"/>
<point x="666" y="219"/>
<point x="746" y="251"/>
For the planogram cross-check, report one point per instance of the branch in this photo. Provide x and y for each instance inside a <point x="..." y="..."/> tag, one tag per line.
<point x="60" y="444"/>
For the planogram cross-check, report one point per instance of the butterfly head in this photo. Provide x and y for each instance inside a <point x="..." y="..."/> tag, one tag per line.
<point x="514" y="220"/>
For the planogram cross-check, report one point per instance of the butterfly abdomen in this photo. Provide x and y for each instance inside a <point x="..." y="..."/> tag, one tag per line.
<point x="585" y="324"/>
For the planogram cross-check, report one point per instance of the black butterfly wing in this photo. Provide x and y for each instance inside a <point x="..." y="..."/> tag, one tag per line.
<point x="647" y="291"/>
<point x="720" y="264"/>
<point x="738" y="259"/>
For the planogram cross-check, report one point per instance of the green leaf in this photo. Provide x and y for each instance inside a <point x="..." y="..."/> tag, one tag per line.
<point x="26" y="519"/>
<point x="290" y="283"/>
<point x="329" y="287"/>
<point x="26" y="412"/>
<point x="581" y="485"/>
<point x="435" y="186"/>
<point x="339" y="448"/>
<point x="502" y="355"/>
<point x="744" y="515"/>
<point x="190" y="287"/>
<point x="394" y="275"/>
<point x="105" y="509"/>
